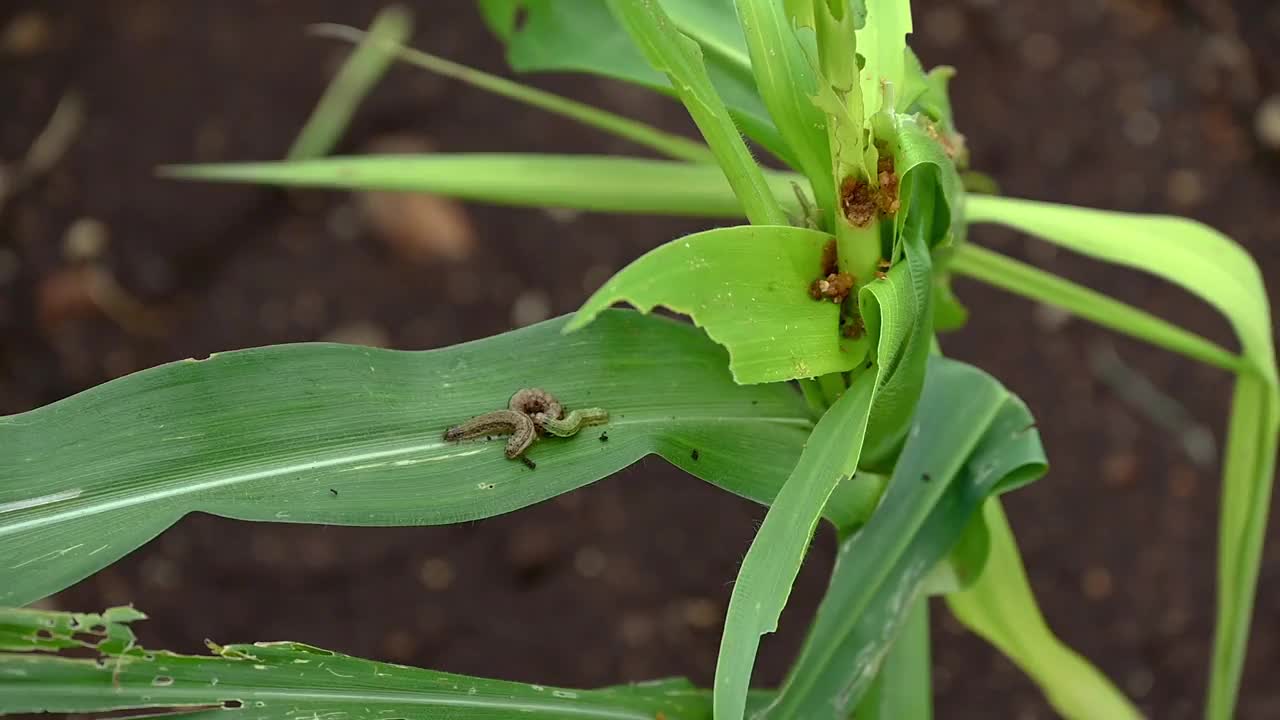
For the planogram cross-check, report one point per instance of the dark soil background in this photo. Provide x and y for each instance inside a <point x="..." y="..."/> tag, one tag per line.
<point x="104" y="270"/>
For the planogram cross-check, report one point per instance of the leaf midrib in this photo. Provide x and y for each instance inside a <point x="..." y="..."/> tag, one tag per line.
<point x="223" y="480"/>
<point x="406" y="697"/>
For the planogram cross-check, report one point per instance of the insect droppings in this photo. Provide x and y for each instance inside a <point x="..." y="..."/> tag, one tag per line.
<point x="335" y="492"/>
<point x="604" y="436"/>
<point x="528" y="463"/>
<point x="694" y="454"/>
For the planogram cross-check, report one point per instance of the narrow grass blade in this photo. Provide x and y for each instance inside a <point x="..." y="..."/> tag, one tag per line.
<point x="349" y="435"/>
<point x="1031" y="282"/>
<point x="671" y="52"/>
<point x="367" y="64"/>
<point x="1184" y="252"/>
<point x="1220" y="272"/>
<point x="1002" y="609"/>
<point x="584" y="182"/>
<point x="584" y="36"/>
<point x="668" y="144"/>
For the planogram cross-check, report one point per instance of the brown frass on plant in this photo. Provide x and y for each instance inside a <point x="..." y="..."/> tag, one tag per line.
<point x="861" y="203"/>
<point x="831" y="284"/>
<point x="887" y="197"/>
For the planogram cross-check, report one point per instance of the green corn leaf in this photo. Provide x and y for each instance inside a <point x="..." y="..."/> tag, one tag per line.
<point x="898" y="311"/>
<point x="367" y="64"/>
<point x="282" y="681"/>
<point x="917" y="152"/>
<point x="883" y="43"/>
<point x="1002" y="609"/>
<point x="1208" y="264"/>
<point x="915" y="85"/>
<point x="935" y="99"/>
<point x="583" y="182"/>
<point x="769" y="569"/>
<point x="837" y="95"/>
<point x="930" y="195"/>
<point x="673" y="146"/>
<point x="748" y="287"/>
<point x="584" y="36"/>
<point x="863" y="428"/>
<point x="799" y="12"/>
<point x="680" y="58"/>
<point x="903" y="689"/>
<point x="970" y="438"/>
<point x="1031" y="282"/>
<point x="348" y="435"/>
<point x="948" y="312"/>
<point x="1184" y="252"/>
<point x="785" y="77"/>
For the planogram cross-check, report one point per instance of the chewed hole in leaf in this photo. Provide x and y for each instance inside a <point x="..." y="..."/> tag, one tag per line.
<point x="88" y="639"/>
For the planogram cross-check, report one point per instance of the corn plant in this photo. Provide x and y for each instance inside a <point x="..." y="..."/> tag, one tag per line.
<point x="809" y="381"/>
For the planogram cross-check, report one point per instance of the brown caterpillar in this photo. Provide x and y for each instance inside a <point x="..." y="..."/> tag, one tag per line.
<point x="500" y="422"/>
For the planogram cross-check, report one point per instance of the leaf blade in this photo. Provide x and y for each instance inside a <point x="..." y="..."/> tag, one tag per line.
<point x="1026" y="280"/>
<point x="747" y="286"/>
<point x="1001" y="608"/>
<point x="786" y="82"/>
<point x="673" y="53"/>
<point x="357" y="76"/>
<point x="598" y="183"/>
<point x="351" y="435"/>
<point x="279" y="680"/>
<point x="674" y="146"/>
<point x="945" y="471"/>
<point x="773" y="560"/>
<point x="1210" y="265"/>
<point x="583" y="36"/>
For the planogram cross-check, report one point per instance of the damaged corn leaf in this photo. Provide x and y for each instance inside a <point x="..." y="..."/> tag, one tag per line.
<point x="281" y="681"/>
<point x="748" y="287"/>
<point x="863" y="429"/>
<point x="32" y="630"/>
<point x="838" y="95"/>
<point x="882" y="42"/>
<point x="584" y="36"/>
<point x="971" y="438"/>
<point x="349" y="435"/>
<point x="769" y="569"/>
